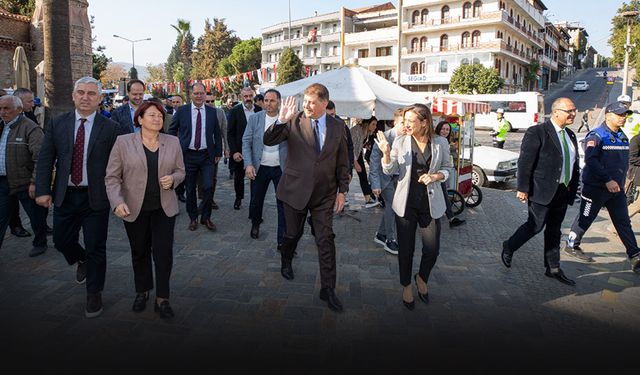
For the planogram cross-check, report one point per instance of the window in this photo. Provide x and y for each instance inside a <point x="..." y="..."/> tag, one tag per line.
<point x="334" y="27"/>
<point x="444" y="42"/>
<point x="335" y="50"/>
<point x="363" y="53"/>
<point x="415" y="17"/>
<point x="414" y="68"/>
<point x="383" y="51"/>
<point x="444" y="14"/>
<point x="499" y="34"/>
<point x="423" y="43"/>
<point x="464" y="61"/>
<point x="414" y="45"/>
<point x="477" y="6"/>
<point x="476" y="60"/>
<point x="386" y="74"/>
<point x="443" y="66"/>
<point x="423" y="16"/>
<point x="466" y="37"/>
<point x="475" y="38"/>
<point x="422" y="67"/>
<point x="297" y="34"/>
<point x="506" y="72"/>
<point x="503" y="5"/>
<point x="498" y="66"/>
<point x="466" y="10"/>
<point x="509" y="106"/>
<point x="315" y="52"/>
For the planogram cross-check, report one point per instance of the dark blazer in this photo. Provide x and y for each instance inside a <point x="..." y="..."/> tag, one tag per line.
<point x="634" y="160"/>
<point x="540" y="164"/>
<point x="57" y="147"/>
<point x="235" y="127"/>
<point x="122" y="115"/>
<point x="307" y="175"/>
<point x="181" y="127"/>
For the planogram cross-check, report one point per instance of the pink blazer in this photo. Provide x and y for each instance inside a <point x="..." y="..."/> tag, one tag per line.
<point x="126" y="177"/>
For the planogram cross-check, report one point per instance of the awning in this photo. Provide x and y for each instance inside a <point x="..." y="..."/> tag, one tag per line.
<point x="450" y="106"/>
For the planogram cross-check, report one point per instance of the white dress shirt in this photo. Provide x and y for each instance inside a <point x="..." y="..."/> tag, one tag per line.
<point x="270" y="154"/>
<point x="88" y="125"/>
<point x="194" y="117"/>
<point x="572" y="151"/>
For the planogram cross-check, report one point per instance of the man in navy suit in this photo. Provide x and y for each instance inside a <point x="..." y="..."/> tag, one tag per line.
<point x="196" y="125"/>
<point x="548" y="175"/>
<point x="79" y="144"/>
<point x="124" y="114"/>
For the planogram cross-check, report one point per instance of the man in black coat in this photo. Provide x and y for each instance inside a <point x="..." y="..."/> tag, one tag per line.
<point x="235" y="130"/>
<point x="548" y="175"/>
<point x="79" y="143"/>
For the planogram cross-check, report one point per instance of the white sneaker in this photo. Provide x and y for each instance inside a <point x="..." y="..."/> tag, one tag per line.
<point x="372" y="203"/>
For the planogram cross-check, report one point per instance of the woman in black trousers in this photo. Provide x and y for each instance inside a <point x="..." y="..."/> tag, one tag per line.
<point x="421" y="158"/>
<point x="143" y="169"/>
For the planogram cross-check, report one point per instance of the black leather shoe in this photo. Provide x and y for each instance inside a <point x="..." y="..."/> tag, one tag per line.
<point x="81" y="272"/>
<point x="20" y="232"/>
<point x="560" y="276"/>
<point x="423" y="297"/>
<point x="94" y="305"/>
<point x="140" y="303"/>
<point x="286" y="269"/>
<point x="255" y="231"/>
<point x="409" y="305"/>
<point x="329" y="295"/>
<point x="237" y="203"/>
<point x="506" y="255"/>
<point x="193" y="225"/>
<point x="577" y="253"/>
<point x="164" y="310"/>
<point x="635" y="263"/>
<point x="456" y="222"/>
<point x="214" y="205"/>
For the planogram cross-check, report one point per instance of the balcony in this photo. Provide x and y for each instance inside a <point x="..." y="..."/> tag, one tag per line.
<point x="378" y="61"/>
<point x="388" y="34"/>
<point x="448" y="22"/>
<point x="311" y="60"/>
<point x="523" y="31"/>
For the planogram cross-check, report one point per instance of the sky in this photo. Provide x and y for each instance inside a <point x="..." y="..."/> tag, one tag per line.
<point x="152" y="19"/>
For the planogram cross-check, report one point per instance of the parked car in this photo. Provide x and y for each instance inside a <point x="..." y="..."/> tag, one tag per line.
<point x="581" y="86"/>
<point x="492" y="164"/>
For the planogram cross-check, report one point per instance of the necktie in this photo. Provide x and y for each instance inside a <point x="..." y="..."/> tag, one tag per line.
<point x="316" y="135"/>
<point x="196" y="142"/>
<point x="567" y="159"/>
<point x="78" y="155"/>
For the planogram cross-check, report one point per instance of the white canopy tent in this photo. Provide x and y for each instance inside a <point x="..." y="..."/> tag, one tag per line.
<point x="356" y="92"/>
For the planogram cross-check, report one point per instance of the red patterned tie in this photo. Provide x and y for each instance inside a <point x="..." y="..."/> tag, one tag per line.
<point x="196" y="142"/>
<point x="78" y="155"/>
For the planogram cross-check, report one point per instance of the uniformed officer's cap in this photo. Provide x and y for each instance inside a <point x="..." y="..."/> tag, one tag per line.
<point x="618" y="108"/>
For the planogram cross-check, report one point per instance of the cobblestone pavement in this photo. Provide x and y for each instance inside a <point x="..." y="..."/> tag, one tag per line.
<point x="233" y="307"/>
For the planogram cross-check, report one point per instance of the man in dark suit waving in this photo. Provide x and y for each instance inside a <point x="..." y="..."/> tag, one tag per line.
<point x="196" y="125"/>
<point x="79" y="143"/>
<point x="548" y="175"/>
<point x="317" y="168"/>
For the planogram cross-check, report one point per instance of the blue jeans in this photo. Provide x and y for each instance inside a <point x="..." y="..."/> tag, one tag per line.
<point x="259" y="188"/>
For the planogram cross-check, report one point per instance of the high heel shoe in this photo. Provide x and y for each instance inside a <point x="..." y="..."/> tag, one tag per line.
<point x="423" y="297"/>
<point x="409" y="305"/>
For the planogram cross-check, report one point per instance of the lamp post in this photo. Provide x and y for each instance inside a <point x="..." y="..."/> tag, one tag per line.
<point x="133" y="42"/>
<point x="630" y="15"/>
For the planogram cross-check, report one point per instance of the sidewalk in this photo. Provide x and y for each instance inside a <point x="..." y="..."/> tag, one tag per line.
<point x="233" y="309"/>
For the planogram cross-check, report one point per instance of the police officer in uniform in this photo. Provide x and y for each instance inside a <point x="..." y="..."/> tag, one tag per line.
<point x="603" y="178"/>
<point x="500" y="130"/>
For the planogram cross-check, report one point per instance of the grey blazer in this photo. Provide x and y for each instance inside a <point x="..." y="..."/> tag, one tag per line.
<point x="401" y="160"/>
<point x="253" y="143"/>
<point x="379" y="179"/>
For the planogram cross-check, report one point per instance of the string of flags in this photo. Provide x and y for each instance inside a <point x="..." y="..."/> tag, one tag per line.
<point x="214" y="84"/>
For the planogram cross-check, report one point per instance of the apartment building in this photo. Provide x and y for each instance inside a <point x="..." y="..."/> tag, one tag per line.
<point x="578" y="42"/>
<point x="441" y="35"/>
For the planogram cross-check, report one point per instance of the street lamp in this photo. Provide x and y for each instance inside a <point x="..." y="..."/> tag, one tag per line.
<point x="630" y="15"/>
<point x="133" y="58"/>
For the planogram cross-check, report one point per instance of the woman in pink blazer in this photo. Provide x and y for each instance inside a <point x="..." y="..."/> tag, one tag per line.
<point x="143" y="169"/>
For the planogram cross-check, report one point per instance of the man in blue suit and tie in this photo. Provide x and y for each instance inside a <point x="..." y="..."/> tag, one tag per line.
<point x="196" y="125"/>
<point x="124" y="114"/>
<point x="263" y="164"/>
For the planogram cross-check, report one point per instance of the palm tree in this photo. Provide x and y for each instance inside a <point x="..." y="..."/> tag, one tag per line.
<point x="57" y="57"/>
<point x="184" y="29"/>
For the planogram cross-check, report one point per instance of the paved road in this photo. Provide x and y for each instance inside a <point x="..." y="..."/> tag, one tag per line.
<point x="234" y="310"/>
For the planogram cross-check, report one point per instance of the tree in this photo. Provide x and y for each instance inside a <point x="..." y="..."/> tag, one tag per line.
<point x="475" y="79"/>
<point x="215" y="44"/>
<point x="23" y="7"/>
<point x="57" y="57"/>
<point x="290" y="68"/>
<point x="99" y="59"/>
<point x="156" y="73"/>
<point x="133" y="73"/>
<point x="618" y="37"/>
<point x="110" y="77"/>
<point x="174" y="58"/>
<point x="245" y="56"/>
<point x="184" y="29"/>
<point x="531" y="74"/>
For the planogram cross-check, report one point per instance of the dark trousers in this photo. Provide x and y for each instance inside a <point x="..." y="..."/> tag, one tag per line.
<point x="198" y="162"/>
<point x="37" y="214"/>
<point x="238" y="179"/>
<point x="498" y="144"/>
<point x="259" y="188"/>
<point x="213" y="189"/>
<point x="585" y="124"/>
<point x="593" y="199"/>
<point x="180" y="189"/>
<point x="151" y="234"/>
<point x="322" y="219"/>
<point x="406" y="228"/>
<point x="362" y="177"/>
<point x="548" y="217"/>
<point x="72" y="215"/>
<point x="447" y="201"/>
<point x="14" y="212"/>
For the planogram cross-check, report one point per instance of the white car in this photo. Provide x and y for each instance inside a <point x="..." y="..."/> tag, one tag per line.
<point x="492" y="164"/>
<point x="581" y="86"/>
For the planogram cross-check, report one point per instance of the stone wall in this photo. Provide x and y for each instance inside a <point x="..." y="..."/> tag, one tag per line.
<point x="14" y="32"/>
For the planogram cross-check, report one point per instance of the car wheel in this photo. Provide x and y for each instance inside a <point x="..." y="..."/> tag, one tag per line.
<point x="478" y="177"/>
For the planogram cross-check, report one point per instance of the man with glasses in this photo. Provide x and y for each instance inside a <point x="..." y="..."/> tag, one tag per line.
<point x="548" y="175"/>
<point x="606" y="156"/>
<point x="222" y="121"/>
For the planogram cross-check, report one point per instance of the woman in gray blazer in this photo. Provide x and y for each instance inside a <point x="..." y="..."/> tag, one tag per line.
<point x="421" y="158"/>
<point x="143" y="169"/>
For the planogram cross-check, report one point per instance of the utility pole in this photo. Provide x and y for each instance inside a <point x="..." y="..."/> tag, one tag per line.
<point x="630" y="15"/>
<point x="399" y="62"/>
<point x="289" y="23"/>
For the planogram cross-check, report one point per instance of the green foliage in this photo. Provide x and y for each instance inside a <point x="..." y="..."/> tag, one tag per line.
<point x="175" y="56"/>
<point x="23" y="7"/>
<point x="531" y="74"/>
<point x="133" y="73"/>
<point x="214" y="45"/>
<point x="100" y="62"/>
<point x="475" y="79"/>
<point x="178" y="72"/>
<point x="156" y="73"/>
<point x="618" y="36"/>
<point x="244" y="57"/>
<point x="290" y="67"/>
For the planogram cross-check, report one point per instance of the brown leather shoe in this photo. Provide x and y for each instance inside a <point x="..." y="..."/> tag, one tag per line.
<point x="209" y="224"/>
<point x="193" y="225"/>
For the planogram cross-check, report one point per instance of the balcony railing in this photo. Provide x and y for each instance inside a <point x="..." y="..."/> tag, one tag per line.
<point x="456" y="47"/>
<point x="454" y="20"/>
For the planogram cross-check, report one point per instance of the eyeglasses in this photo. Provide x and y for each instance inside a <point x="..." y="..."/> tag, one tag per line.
<point x="567" y="110"/>
<point x="208" y="101"/>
